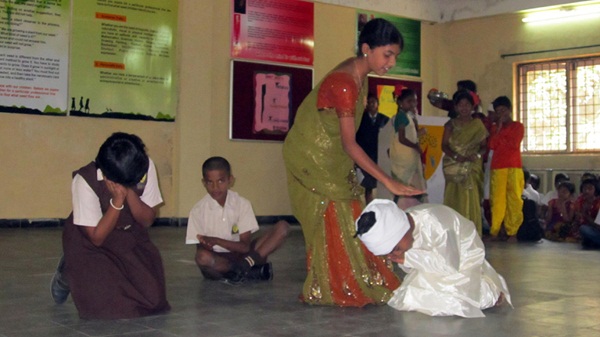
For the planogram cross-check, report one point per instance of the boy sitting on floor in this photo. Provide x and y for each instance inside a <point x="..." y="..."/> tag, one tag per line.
<point x="221" y="225"/>
<point x="442" y="254"/>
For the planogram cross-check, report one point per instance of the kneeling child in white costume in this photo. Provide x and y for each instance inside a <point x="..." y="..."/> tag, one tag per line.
<point x="442" y="254"/>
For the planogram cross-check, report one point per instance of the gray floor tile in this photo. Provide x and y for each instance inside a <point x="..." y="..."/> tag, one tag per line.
<point x="554" y="289"/>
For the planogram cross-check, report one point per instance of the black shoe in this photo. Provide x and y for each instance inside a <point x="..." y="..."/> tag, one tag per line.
<point x="234" y="277"/>
<point x="264" y="272"/>
<point x="59" y="288"/>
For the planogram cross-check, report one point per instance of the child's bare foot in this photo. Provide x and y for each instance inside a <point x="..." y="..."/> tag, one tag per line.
<point x="512" y="239"/>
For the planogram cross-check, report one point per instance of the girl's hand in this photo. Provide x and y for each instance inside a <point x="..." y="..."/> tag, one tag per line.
<point x="118" y="192"/>
<point x="400" y="189"/>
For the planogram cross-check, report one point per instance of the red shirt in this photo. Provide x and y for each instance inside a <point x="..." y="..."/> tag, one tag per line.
<point x="506" y="144"/>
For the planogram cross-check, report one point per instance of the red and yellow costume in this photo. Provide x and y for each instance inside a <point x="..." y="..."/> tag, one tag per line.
<point x="507" y="182"/>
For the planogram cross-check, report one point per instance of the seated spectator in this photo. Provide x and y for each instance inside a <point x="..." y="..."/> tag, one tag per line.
<point x="553" y="194"/>
<point x="534" y="180"/>
<point x="221" y="226"/>
<point x="590" y="234"/>
<point x="560" y="213"/>
<point x="531" y="228"/>
<point x="529" y="192"/>
<point x="587" y="205"/>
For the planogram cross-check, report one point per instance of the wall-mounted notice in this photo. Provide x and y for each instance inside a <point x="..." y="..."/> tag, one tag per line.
<point x="264" y="99"/>
<point x="273" y="30"/>
<point x="123" y="59"/>
<point x="34" y="44"/>
<point x="409" y="61"/>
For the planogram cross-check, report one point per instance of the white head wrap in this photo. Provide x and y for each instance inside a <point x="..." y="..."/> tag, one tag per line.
<point x="391" y="224"/>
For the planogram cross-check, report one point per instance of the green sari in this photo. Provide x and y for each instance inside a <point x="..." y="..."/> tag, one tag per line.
<point x="464" y="181"/>
<point x="326" y="199"/>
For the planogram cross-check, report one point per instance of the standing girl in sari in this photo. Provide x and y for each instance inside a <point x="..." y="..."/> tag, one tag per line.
<point x="464" y="143"/>
<point x="405" y="151"/>
<point x="319" y="153"/>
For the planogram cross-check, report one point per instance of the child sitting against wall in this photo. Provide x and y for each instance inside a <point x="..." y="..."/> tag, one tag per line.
<point x="560" y="213"/>
<point x="586" y="206"/>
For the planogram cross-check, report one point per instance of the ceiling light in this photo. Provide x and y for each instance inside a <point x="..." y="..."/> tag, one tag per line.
<point x="563" y="14"/>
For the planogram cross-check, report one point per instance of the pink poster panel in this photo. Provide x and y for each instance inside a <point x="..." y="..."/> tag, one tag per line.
<point x="264" y="99"/>
<point x="273" y="30"/>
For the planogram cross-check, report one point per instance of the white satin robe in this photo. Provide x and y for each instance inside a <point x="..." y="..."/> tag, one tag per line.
<point x="447" y="273"/>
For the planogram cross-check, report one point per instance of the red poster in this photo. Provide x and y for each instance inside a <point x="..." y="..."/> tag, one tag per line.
<point x="273" y="30"/>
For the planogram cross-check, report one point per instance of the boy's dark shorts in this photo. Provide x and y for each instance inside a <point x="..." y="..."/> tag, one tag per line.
<point x="232" y="257"/>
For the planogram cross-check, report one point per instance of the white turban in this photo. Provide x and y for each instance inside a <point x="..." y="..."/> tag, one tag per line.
<point x="391" y="224"/>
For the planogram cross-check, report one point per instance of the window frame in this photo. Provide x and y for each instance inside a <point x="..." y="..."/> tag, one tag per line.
<point x="571" y="116"/>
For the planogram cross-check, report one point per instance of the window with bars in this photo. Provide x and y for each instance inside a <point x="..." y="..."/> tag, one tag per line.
<point x="559" y="105"/>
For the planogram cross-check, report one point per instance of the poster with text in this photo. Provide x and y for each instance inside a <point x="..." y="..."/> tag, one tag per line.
<point x="409" y="60"/>
<point x="273" y="30"/>
<point x="34" y="44"/>
<point x="123" y="62"/>
<point x="272" y="102"/>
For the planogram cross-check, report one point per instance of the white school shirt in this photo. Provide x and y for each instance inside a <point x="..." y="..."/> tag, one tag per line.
<point x="86" y="205"/>
<point x="208" y="218"/>
<point x="530" y="193"/>
<point x="549" y="196"/>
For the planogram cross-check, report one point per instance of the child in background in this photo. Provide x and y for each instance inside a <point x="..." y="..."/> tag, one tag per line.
<point x="111" y="267"/>
<point x="590" y="234"/>
<point x="586" y="206"/>
<point x="506" y="179"/>
<point x="553" y="194"/>
<point x="405" y="151"/>
<point x="367" y="137"/>
<point x="560" y="213"/>
<point x="221" y="225"/>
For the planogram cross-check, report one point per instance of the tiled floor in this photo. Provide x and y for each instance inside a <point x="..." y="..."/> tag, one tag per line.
<point x="555" y="289"/>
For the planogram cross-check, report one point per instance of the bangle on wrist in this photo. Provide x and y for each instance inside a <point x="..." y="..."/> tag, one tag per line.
<point x="115" y="207"/>
<point x="455" y="156"/>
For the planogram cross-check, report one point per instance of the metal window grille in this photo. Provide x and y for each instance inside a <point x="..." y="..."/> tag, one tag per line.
<point x="559" y="105"/>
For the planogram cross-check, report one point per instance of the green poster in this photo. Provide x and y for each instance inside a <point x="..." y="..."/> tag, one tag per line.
<point x="123" y="62"/>
<point x="409" y="61"/>
<point x="34" y="58"/>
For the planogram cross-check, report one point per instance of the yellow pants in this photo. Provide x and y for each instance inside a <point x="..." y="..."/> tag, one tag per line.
<point x="506" y="188"/>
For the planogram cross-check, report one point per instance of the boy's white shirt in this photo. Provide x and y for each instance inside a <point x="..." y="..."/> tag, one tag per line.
<point x="208" y="218"/>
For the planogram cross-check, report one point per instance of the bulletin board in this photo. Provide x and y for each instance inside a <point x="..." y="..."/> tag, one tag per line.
<point x="265" y="98"/>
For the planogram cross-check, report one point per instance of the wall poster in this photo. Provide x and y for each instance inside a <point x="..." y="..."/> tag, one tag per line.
<point x="34" y="62"/>
<point x="409" y="61"/>
<point x="123" y="62"/>
<point x="264" y="99"/>
<point x="273" y="30"/>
